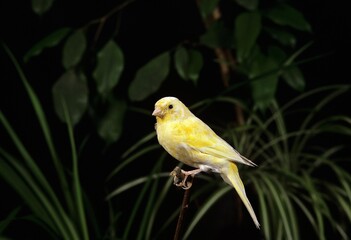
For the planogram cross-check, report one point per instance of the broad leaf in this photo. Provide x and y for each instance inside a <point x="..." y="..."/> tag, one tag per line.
<point x="73" y="49"/>
<point x="282" y="37"/>
<point x="71" y="88"/>
<point x="148" y="78"/>
<point x="188" y="63"/>
<point x="110" y="64"/>
<point x="247" y="29"/>
<point x="248" y="4"/>
<point x="264" y="77"/>
<point x="49" y="41"/>
<point x="286" y="15"/>
<point x="181" y="61"/>
<point x="294" y="77"/>
<point x="41" y="6"/>
<point x="110" y="127"/>
<point x="195" y="65"/>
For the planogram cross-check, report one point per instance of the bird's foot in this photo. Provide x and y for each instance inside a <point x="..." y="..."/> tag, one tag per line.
<point x="180" y="177"/>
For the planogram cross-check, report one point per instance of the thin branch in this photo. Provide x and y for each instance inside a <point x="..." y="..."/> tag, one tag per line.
<point x="184" y="208"/>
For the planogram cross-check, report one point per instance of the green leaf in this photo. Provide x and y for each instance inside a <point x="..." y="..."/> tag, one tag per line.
<point x="294" y="77"/>
<point x="283" y="37"/>
<point x="207" y="7"/>
<point x="71" y="87"/>
<point x="248" y="4"/>
<point x="41" y="6"/>
<point x="181" y="60"/>
<point x="110" y="64"/>
<point x="73" y="49"/>
<point x="285" y="15"/>
<point x="217" y="35"/>
<point x="195" y="65"/>
<point x="188" y="63"/>
<point x="277" y="54"/>
<point x="49" y="41"/>
<point x="247" y="29"/>
<point x="110" y="127"/>
<point x="265" y="80"/>
<point x="148" y="78"/>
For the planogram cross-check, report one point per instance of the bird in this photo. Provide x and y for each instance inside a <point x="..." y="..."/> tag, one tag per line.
<point x="191" y="141"/>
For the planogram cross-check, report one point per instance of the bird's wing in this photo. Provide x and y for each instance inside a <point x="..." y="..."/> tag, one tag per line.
<point x="202" y="138"/>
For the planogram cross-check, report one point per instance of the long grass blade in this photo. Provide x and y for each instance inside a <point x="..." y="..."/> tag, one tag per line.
<point x="132" y="158"/>
<point x="39" y="198"/>
<point x="316" y="203"/>
<point x="135" y="146"/>
<point x="204" y="209"/>
<point x="131" y="184"/>
<point x="280" y="204"/>
<point x="34" y="169"/>
<point x="260" y="189"/>
<point x="76" y="181"/>
<point x="44" y="127"/>
<point x="141" y="197"/>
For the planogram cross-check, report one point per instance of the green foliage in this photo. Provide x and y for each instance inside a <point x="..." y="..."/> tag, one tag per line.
<point x="41" y="6"/>
<point x="188" y="63"/>
<point x="110" y="127"/>
<point x="71" y="88"/>
<point x="49" y="41"/>
<point x="244" y="39"/>
<point x="74" y="49"/>
<point x="256" y="50"/>
<point x="149" y="77"/>
<point x="109" y="67"/>
<point x="25" y="176"/>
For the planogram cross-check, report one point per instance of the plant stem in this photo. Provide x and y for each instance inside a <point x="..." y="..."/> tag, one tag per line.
<point x="185" y="206"/>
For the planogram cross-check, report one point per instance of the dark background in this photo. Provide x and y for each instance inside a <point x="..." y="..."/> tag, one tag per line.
<point x="146" y="29"/>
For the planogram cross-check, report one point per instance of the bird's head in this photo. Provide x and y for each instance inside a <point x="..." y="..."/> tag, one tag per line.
<point x="170" y="108"/>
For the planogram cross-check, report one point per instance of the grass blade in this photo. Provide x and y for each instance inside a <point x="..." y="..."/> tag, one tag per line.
<point x="204" y="209"/>
<point x="76" y="182"/>
<point x="44" y="127"/>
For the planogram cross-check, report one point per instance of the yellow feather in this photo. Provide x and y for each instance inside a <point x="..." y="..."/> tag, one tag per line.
<point x="191" y="141"/>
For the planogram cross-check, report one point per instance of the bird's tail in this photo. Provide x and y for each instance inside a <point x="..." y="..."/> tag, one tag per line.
<point x="230" y="174"/>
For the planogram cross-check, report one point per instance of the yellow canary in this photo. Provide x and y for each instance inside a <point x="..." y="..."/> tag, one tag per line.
<point x="191" y="141"/>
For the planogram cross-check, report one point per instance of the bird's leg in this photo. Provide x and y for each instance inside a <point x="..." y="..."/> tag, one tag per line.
<point x="180" y="177"/>
<point x="192" y="173"/>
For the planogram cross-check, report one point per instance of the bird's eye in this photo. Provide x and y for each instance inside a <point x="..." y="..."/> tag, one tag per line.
<point x="170" y="106"/>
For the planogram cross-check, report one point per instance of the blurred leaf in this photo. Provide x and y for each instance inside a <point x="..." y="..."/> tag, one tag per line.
<point x="285" y="15"/>
<point x="285" y="38"/>
<point x="41" y="6"/>
<point x="110" y="127"/>
<point x="217" y="35"/>
<point x="265" y="82"/>
<point x="49" y="41"/>
<point x="110" y="64"/>
<point x="188" y="63"/>
<point x="195" y="65"/>
<point x="148" y="78"/>
<point x="71" y="87"/>
<point x="4" y="223"/>
<point x="73" y="49"/>
<point x="181" y="60"/>
<point x="247" y="29"/>
<point x="294" y="77"/>
<point x="207" y="7"/>
<point x="277" y="54"/>
<point x="248" y="4"/>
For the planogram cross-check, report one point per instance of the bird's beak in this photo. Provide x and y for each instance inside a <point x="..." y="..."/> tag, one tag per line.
<point x="157" y="113"/>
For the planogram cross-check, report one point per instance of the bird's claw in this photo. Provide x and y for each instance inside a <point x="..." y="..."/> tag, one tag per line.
<point x="180" y="178"/>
